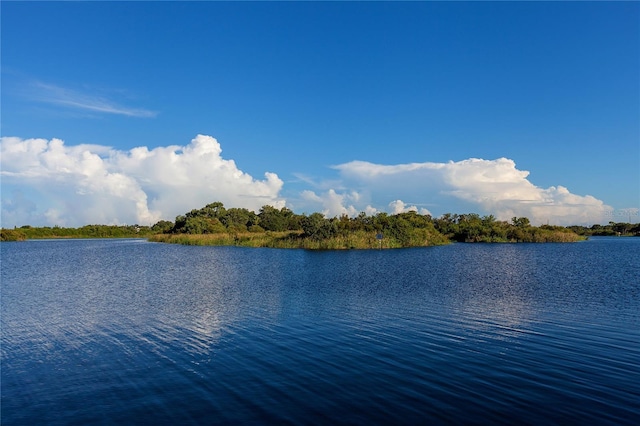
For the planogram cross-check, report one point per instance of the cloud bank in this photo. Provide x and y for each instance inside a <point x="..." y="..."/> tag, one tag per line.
<point x="45" y="182"/>
<point x="485" y="186"/>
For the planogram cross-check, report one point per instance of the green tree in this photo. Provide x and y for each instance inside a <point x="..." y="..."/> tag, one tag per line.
<point x="520" y="222"/>
<point x="447" y="224"/>
<point x="203" y="225"/>
<point x="239" y="219"/>
<point x="214" y="210"/>
<point x="180" y="223"/>
<point x="318" y="227"/>
<point x="273" y="219"/>
<point x="400" y="229"/>
<point x="162" y="227"/>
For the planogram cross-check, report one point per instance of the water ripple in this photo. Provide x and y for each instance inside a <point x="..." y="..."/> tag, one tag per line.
<point x="101" y="332"/>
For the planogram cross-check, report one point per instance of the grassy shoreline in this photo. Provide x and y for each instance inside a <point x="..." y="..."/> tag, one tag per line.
<point x="360" y="240"/>
<point x="293" y="239"/>
<point x="356" y="240"/>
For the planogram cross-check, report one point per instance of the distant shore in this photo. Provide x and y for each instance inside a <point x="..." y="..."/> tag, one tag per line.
<point x="215" y="225"/>
<point x="358" y="241"/>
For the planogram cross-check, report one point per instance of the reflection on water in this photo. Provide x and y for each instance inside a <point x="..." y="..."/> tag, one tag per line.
<point x="498" y="292"/>
<point x="125" y="331"/>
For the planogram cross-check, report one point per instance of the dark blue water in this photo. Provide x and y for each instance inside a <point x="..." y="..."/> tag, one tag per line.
<point x="131" y="332"/>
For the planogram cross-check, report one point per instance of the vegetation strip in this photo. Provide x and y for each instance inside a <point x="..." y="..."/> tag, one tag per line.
<point x="281" y="228"/>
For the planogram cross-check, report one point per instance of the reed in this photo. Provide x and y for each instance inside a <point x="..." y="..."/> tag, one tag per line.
<point x="11" y="235"/>
<point x="350" y="240"/>
<point x="545" y="236"/>
<point x="245" y="239"/>
<point x="296" y="239"/>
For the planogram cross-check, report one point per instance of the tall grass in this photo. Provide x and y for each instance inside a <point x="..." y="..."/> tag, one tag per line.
<point x="219" y="239"/>
<point x="547" y="236"/>
<point x="295" y="239"/>
<point x="12" y="235"/>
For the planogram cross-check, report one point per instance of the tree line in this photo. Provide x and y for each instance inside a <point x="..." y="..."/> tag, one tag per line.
<point x="611" y="229"/>
<point x="405" y="229"/>
<point x="288" y="229"/>
<point x="399" y="230"/>
<point x="28" y="232"/>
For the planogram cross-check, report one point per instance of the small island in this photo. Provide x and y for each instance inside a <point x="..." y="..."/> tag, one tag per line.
<point x="216" y="225"/>
<point x="282" y="228"/>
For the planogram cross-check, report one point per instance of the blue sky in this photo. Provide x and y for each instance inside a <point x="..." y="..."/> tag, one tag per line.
<point x="123" y="112"/>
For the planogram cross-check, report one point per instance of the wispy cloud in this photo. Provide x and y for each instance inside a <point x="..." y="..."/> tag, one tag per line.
<point x="56" y="95"/>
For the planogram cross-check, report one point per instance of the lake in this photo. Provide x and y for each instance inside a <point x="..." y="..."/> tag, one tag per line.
<point x="132" y="332"/>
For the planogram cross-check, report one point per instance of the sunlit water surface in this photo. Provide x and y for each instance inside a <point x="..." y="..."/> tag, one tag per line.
<point x="131" y="332"/>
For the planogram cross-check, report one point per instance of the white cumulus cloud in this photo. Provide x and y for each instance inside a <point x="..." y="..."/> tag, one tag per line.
<point x="487" y="186"/>
<point x="399" y="206"/>
<point x="55" y="184"/>
<point x="46" y="182"/>
<point x="332" y="203"/>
